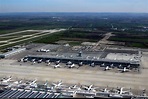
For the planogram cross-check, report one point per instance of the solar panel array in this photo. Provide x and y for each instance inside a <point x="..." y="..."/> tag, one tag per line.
<point x="16" y="93"/>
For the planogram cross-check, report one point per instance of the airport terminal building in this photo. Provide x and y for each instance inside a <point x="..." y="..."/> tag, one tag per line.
<point x="107" y="57"/>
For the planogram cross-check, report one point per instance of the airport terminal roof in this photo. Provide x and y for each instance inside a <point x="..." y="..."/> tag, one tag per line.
<point x="83" y="57"/>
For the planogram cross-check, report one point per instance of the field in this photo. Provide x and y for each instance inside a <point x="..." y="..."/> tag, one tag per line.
<point x="75" y="36"/>
<point x="139" y="40"/>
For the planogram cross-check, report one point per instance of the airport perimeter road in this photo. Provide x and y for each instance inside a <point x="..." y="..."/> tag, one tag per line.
<point x="107" y="36"/>
<point x="74" y="76"/>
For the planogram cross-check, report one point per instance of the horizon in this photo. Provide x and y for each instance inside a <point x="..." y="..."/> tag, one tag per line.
<point x="79" y="12"/>
<point x="88" y="6"/>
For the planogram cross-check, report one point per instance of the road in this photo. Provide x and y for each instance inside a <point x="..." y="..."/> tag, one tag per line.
<point x="107" y="36"/>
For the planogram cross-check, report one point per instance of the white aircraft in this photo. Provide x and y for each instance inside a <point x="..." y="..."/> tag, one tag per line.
<point x="103" y="64"/>
<point x="14" y="84"/>
<point x="33" y="83"/>
<point x="89" y="88"/>
<point x="124" y="70"/>
<point x="43" y="50"/>
<point x="120" y="91"/>
<point x="81" y="63"/>
<point x="129" y="66"/>
<point x="6" y="80"/>
<point x="47" y="61"/>
<point x="46" y="83"/>
<point x="21" y="60"/>
<point x="112" y="65"/>
<point x="107" y="68"/>
<point x="48" y="64"/>
<point x="71" y="66"/>
<point x="32" y="60"/>
<point x="39" y="61"/>
<point x="25" y="59"/>
<point x="17" y="82"/>
<point x="92" y="64"/>
<point x="58" y="84"/>
<point x="120" y="66"/>
<point x="57" y="66"/>
<point x="73" y="87"/>
<point x="57" y="62"/>
<point x="69" y="63"/>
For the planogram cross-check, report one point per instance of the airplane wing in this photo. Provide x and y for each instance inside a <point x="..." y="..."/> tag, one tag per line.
<point x="120" y="69"/>
<point x="54" y="84"/>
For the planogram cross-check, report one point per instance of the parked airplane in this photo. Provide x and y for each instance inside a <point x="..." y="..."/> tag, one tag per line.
<point x="6" y="80"/>
<point x="57" y="62"/>
<point x="89" y="88"/>
<point x="124" y="70"/>
<point x="120" y="66"/>
<point x="47" y="61"/>
<point x="17" y="82"/>
<point x="81" y="63"/>
<point x="58" y="84"/>
<point x="128" y="66"/>
<point x="105" y="90"/>
<point x="107" y="68"/>
<point x="48" y="64"/>
<point x="57" y="66"/>
<point x="69" y="63"/>
<point x="39" y="61"/>
<point x="33" y="84"/>
<point x="103" y="64"/>
<point x="73" y="87"/>
<point x="43" y="50"/>
<point x="46" y="83"/>
<point x="92" y="64"/>
<point x="21" y="60"/>
<point x="71" y="66"/>
<point x="32" y="60"/>
<point x="112" y="65"/>
<point x="120" y="91"/>
<point x="25" y="59"/>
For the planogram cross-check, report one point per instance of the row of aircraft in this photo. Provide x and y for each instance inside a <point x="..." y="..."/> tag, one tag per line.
<point x="69" y="64"/>
<point x="59" y="84"/>
<point x="91" y="88"/>
<point x="114" y="92"/>
<point x="72" y="65"/>
<point x="31" y="84"/>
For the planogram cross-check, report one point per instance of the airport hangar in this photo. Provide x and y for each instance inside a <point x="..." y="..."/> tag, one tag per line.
<point x="94" y="57"/>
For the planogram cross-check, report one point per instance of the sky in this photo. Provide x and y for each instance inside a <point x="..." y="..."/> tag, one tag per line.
<point x="74" y="6"/>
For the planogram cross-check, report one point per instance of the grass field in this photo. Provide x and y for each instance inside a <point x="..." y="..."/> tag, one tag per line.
<point x="131" y="41"/>
<point x="76" y="37"/>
